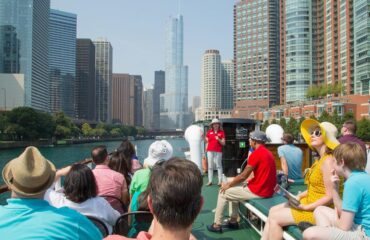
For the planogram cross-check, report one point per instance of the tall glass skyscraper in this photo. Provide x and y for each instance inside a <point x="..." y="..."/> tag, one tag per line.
<point x="175" y="112"/>
<point x="62" y="61"/>
<point x="103" y="68"/>
<point x="361" y="31"/>
<point x="298" y="49"/>
<point x="24" y="46"/>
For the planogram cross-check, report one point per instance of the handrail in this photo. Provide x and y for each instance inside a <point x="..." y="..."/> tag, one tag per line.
<point x="4" y="188"/>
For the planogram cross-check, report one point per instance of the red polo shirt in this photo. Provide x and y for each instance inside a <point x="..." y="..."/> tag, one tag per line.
<point x="213" y="144"/>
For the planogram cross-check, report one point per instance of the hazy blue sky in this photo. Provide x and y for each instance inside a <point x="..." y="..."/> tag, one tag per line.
<point x="136" y="30"/>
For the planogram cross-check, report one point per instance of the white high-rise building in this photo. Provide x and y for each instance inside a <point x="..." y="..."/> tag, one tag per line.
<point x="211" y="80"/>
<point x="216" y="87"/>
<point x="174" y="112"/>
<point x="103" y="69"/>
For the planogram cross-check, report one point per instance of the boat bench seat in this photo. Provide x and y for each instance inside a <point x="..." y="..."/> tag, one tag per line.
<point x="261" y="206"/>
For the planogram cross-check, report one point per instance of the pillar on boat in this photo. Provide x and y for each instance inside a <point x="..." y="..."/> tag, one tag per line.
<point x="194" y="136"/>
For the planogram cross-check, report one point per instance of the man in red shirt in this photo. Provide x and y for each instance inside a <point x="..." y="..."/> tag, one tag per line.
<point x="262" y="163"/>
<point x="215" y="139"/>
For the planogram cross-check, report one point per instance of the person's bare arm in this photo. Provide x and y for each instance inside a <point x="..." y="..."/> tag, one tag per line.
<point x="284" y="165"/>
<point x="238" y="179"/>
<point x="125" y="196"/>
<point x="344" y="221"/>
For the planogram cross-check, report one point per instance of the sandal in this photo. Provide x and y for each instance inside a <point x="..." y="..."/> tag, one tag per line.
<point x="214" y="228"/>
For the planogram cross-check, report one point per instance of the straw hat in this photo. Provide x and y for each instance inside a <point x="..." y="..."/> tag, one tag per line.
<point x="215" y="120"/>
<point x="328" y="132"/>
<point x="29" y="174"/>
<point x="159" y="150"/>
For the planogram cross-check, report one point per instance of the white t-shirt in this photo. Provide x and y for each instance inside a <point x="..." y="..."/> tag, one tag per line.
<point x="96" y="207"/>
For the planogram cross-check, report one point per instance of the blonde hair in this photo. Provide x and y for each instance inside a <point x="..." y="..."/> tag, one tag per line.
<point x="351" y="154"/>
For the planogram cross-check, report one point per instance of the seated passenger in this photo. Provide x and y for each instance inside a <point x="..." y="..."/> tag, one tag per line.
<point x="322" y="138"/>
<point x="119" y="164"/>
<point x="158" y="150"/>
<point x="128" y="153"/>
<point x="262" y="163"/>
<point x="174" y="198"/>
<point x="108" y="181"/>
<point x="351" y="217"/>
<point x="27" y="215"/>
<point x="80" y="195"/>
<point x="291" y="158"/>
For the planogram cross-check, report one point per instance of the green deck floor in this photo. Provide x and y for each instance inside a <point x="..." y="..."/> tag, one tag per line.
<point x="206" y="217"/>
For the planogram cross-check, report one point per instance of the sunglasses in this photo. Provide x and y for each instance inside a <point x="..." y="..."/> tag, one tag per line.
<point x="317" y="133"/>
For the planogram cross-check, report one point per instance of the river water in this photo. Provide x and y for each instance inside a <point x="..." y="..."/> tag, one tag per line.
<point x="65" y="155"/>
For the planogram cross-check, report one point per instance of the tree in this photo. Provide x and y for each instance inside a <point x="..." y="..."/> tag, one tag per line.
<point x="292" y="127"/>
<point x="324" y="117"/>
<point x="363" y="129"/>
<point x="348" y="116"/>
<point x="274" y="121"/>
<point x="115" y="132"/>
<point x="30" y="124"/>
<point x="140" y="131"/>
<point x="265" y="125"/>
<point x="64" y="126"/>
<point x="282" y="123"/>
<point x="86" y="129"/>
<point x="62" y="132"/>
<point x="336" y="120"/>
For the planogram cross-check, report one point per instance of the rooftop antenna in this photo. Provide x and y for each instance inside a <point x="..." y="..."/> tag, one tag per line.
<point x="179" y="7"/>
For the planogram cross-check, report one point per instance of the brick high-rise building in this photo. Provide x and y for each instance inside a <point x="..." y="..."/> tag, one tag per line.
<point x="123" y="99"/>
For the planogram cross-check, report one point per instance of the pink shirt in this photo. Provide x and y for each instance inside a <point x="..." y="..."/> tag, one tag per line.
<point x="109" y="183"/>
<point x="140" y="236"/>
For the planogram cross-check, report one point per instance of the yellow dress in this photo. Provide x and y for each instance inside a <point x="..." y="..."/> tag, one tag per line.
<point x="315" y="190"/>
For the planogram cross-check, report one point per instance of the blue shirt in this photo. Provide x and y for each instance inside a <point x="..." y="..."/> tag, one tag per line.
<point x="36" y="219"/>
<point x="293" y="156"/>
<point x="356" y="198"/>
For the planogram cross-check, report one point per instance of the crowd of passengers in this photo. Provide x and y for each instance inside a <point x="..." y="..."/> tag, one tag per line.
<point x="336" y="204"/>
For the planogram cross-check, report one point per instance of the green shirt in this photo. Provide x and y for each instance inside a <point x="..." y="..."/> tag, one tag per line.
<point x="140" y="181"/>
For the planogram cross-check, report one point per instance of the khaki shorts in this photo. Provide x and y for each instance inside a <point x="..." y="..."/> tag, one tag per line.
<point x="356" y="233"/>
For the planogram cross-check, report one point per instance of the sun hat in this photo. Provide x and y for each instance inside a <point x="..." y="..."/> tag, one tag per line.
<point x="258" y="136"/>
<point x="159" y="150"/>
<point x="287" y="137"/>
<point x="29" y="174"/>
<point x="328" y="132"/>
<point x="215" y="120"/>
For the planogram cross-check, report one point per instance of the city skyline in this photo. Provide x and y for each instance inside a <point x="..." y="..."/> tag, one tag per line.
<point x="139" y="47"/>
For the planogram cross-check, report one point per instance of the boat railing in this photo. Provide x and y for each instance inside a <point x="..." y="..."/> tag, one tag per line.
<point x="4" y="188"/>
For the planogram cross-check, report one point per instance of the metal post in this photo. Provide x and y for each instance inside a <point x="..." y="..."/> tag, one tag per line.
<point x="4" y="89"/>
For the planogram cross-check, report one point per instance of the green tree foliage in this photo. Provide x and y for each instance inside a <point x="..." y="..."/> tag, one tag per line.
<point x="29" y="124"/>
<point x="348" y="116"/>
<point x="363" y="129"/>
<point x="86" y="129"/>
<point x="283" y="124"/>
<point x="265" y="125"/>
<point x="274" y="121"/>
<point x="140" y="131"/>
<point x="292" y="127"/>
<point x="336" y="120"/>
<point x="324" y="117"/>
<point x="64" y="126"/>
<point x="116" y="132"/>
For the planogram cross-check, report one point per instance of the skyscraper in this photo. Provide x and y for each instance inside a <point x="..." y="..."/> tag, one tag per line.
<point x="85" y="80"/>
<point x="62" y="61"/>
<point x="123" y="99"/>
<point x="27" y="21"/>
<point x="227" y="84"/>
<point x="211" y="81"/>
<point x="138" y="116"/>
<point x="175" y="110"/>
<point x="361" y="26"/>
<point x="159" y="88"/>
<point x="148" y="113"/>
<point x="256" y="55"/>
<point x="103" y="68"/>
<point x="298" y="49"/>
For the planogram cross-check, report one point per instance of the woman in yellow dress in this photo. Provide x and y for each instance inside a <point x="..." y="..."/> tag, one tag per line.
<point x="320" y="137"/>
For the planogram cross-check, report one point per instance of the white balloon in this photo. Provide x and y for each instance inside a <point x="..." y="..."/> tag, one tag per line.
<point x="274" y="133"/>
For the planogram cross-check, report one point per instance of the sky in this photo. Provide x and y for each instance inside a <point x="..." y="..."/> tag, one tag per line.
<point x="136" y="30"/>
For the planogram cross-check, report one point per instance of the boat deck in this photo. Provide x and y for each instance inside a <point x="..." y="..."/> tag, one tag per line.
<point x="206" y="217"/>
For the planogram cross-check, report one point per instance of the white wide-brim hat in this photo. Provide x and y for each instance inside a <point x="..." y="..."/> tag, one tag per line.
<point x="159" y="150"/>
